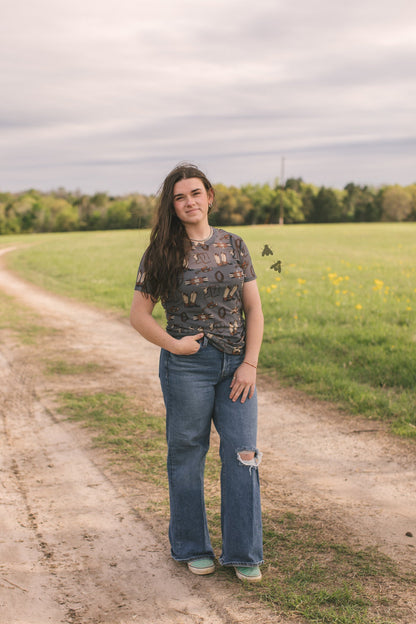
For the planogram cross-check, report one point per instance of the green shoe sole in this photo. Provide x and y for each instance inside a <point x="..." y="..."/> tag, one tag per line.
<point x="201" y="566"/>
<point x="251" y="574"/>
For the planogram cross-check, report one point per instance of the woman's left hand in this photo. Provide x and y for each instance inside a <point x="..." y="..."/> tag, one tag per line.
<point x="243" y="383"/>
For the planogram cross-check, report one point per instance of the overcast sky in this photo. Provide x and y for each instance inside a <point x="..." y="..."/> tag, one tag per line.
<point x="108" y="95"/>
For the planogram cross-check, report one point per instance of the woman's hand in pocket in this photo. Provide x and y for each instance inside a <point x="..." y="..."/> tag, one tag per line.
<point x="188" y="345"/>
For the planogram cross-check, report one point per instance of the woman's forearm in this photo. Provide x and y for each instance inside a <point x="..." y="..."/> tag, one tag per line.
<point x="254" y="335"/>
<point x="254" y="321"/>
<point x="142" y="320"/>
<point x="150" y="329"/>
<point x="244" y="381"/>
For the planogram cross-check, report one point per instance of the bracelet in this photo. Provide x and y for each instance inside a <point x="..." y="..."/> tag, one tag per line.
<point x="249" y="364"/>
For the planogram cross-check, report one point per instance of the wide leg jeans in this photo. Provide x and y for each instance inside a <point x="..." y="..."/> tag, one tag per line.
<point x="196" y="392"/>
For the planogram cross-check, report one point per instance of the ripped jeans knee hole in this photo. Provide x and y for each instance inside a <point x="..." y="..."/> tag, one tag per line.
<point x="250" y="458"/>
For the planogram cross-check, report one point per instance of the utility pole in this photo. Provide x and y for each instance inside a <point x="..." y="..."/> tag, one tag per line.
<point x="282" y="183"/>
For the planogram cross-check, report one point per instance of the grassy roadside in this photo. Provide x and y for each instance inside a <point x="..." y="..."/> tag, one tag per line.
<point x="309" y="573"/>
<point x="340" y="317"/>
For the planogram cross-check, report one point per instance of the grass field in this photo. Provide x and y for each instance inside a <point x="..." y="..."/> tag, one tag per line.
<point x="340" y="317"/>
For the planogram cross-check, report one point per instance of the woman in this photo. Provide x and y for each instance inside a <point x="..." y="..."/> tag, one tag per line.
<point x="206" y="283"/>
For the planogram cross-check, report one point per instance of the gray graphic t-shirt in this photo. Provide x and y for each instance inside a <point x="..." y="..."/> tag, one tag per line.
<point x="209" y="297"/>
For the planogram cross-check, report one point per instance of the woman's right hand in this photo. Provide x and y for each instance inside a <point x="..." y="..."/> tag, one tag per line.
<point x="188" y="345"/>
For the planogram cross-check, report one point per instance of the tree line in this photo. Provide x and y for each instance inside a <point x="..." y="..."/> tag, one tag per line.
<point x="295" y="202"/>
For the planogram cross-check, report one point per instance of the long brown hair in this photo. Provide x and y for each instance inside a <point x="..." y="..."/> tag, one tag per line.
<point x="169" y="243"/>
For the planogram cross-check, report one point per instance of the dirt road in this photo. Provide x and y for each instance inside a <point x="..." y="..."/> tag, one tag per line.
<point x="71" y="548"/>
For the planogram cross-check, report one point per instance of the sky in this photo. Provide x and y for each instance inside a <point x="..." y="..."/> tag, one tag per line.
<point x="109" y="95"/>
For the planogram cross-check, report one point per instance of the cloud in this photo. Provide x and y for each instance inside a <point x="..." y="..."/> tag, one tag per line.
<point x="111" y="94"/>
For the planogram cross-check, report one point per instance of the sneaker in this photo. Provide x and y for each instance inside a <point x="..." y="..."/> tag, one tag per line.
<point x="250" y="573"/>
<point x="201" y="566"/>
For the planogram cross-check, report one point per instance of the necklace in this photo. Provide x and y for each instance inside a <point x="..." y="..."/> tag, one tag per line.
<point x="202" y="240"/>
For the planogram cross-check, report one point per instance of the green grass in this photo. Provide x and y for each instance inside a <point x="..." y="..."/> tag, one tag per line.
<point x="137" y="437"/>
<point x="313" y="575"/>
<point x="64" y="367"/>
<point x="96" y="267"/>
<point x="340" y="317"/>
<point x="21" y="322"/>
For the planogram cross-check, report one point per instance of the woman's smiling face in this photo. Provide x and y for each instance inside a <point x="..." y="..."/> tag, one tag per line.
<point x="191" y="201"/>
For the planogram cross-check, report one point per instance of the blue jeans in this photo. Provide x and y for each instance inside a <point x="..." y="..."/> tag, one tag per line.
<point x="196" y="391"/>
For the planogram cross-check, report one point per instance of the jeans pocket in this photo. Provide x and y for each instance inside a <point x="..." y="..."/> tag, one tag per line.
<point x="203" y="343"/>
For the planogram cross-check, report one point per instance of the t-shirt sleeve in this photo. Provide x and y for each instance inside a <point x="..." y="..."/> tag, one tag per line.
<point x="244" y="259"/>
<point x="140" y="276"/>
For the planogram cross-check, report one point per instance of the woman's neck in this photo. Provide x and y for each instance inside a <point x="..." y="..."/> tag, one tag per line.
<point x="199" y="232"/>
